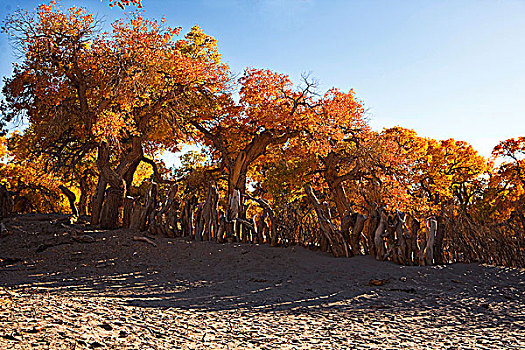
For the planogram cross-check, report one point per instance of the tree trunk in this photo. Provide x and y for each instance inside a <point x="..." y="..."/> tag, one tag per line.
<point x="164" y="220"/>
<point x="232" y="214"/>
<point x="141" y="215"/>
<point x="128" y="211"/>
<point x="335" y="239"/>
<point x="357" y="230"/>
<point x="187" y="218"/>
<point x="334" y="180"/>
<point x="84" y="194"/>
<point x="111" y="209"/>
<point x="347" y="223"/>
<point x="401" y="254"/>
<point x="389" y="237"/>
<point x="379" y="234"/>
<point x="263" y="228"/>
<point x="208" y="219"/>
<point x="268" y="212"/>
<point x="171" y="212"/>
<point x="6" y="202"/>
<point x="438" y="244"/>
<point x="427" y="258"/>
<point x="413" y="251"/>
<point x="98" y="201"/>
<point x="199" y="222"/>
<point x="117" y="180"/>
<point x="71" y="199"/>
<point x="221" y="228"/>
<point x="373" y="222"/>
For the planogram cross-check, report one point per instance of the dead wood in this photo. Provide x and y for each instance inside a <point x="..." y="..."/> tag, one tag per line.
<point x="267" y="212"/>
<point x="379" y="235"/>
<point x="144" y="239"/>
<point x="335" y="238"/>
<point x="427" y="257"/>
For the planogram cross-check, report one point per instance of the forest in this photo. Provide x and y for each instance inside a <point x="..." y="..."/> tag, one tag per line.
<point x="270" y="162"/>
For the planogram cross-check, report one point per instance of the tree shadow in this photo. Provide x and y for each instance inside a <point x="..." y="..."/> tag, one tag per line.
<point x="205" y="276"/>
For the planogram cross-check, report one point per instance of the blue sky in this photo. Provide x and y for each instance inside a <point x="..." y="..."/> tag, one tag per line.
<point x="444" y="68"/>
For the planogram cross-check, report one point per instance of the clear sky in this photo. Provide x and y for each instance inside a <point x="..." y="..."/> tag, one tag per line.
<point x="444" y="68"/>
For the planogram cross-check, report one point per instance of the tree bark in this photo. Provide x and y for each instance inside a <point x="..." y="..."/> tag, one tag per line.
<point x="71" y="199"/>
<point x="128" y="211"/>
<point x="438" y="244"/>
<point x="84" y="192"/>
<point x="98" y="200"/>
<point x="6" y="202"/>
<point x="427" y="258"/>
<point x="401" y="255"/>
<point x="373" y="222"/>
<point x="116" y="179"/>
<point x="209" y="215"/>
<point x="379" y="234"/>
<point x="267" y="212"/>
<point x="111" y="209"/>
<point x="413" y="251"/>
<point x="332" y="178"/>
<point x="335" y="239"/>
<point x="357" y="230"/>
<point x="187" y="218"/>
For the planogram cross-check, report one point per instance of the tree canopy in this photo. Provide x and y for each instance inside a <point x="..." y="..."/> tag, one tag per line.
<point x="103" y="105"/>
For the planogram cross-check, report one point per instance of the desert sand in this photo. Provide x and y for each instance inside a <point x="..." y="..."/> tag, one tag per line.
<point x="59" y="290"/>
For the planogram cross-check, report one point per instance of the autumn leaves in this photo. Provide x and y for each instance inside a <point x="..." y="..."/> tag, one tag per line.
<point x="100" y="105"/>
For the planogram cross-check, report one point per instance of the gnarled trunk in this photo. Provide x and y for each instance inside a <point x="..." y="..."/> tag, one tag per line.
<point x="238" y="169"/>
<point x="86" y="191"/>
<point x="335" y="184"/>
<point x="412" y="242"/>
<point x="402" y="245"/>
<point x="334" y="237"/>
<point x="427" y="257"/>
<point x="438" y="244"/>
<point x="111" y="209"/>
<point x="117" y="180"/>
<point x="71" y="199"/>
<point x="6" y="202"/>
<point x="98" y="201"/>
<point x="373" y="222"/>
<point x="379" y="235"/>
<point x="267" y="212"/>
<point x="208" y="218"/>
<point x="357" y="230"/>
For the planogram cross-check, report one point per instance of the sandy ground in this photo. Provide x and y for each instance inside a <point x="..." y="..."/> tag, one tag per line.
<point x="117" y="293"/>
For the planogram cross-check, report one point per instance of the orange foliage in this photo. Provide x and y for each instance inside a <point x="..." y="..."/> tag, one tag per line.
<point x="33" y="187"/>
<point x="142" y="89"/>
<point x="506" y="192"/>
<point x="438" y="176"/>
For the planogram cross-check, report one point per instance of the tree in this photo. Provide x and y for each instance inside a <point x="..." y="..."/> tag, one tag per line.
<point x="438" y="176"/>
<point x="33" y="188"/>
<point x="505" y="196"/>
<point x="113" y="93"/>
<point x="269" y="113"/>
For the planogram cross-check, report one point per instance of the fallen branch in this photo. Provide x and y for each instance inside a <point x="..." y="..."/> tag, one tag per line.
<point x="144" y="239"/>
